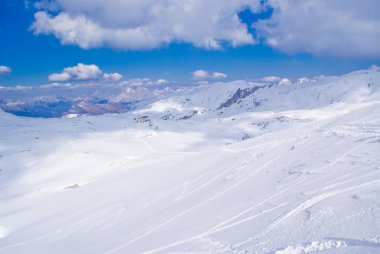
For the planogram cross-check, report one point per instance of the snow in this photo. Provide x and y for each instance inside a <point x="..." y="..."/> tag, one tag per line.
<point x="313" y="247"/>
<point x="3" y="232"/>
<point x="298" y="172"/>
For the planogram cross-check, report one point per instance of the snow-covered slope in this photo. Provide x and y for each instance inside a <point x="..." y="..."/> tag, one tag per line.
<point x="242" y="96"/>
<point x="227" y="168"/>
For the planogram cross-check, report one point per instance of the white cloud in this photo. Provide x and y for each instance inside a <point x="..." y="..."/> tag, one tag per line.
<point x="161" y="81"/>
<point x="328" y="28"/>
<point x="374" y="68"/>
<point x="148" y="82"/>
<point x="219" y="75"/>
<point x="303" y="80"/>
<point x="79" y="72"/>
<point x="5" y="70"/>
<point x="46" y="5"/>
<point x="59" y="77"/>
<point x="200" y="74"/>
<point x="112" y="76"/>
<point x="285" y="82"/>
<point x="270" y="79"/>
<point x="144" y="24"/>
<point x="335" y="28"/>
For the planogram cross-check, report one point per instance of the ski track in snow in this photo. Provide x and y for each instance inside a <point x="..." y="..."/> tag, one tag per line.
<point x="194" y="207"/>
<point x="312" y="201"/>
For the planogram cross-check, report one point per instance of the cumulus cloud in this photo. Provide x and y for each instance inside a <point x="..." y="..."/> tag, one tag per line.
<point x="219" y="75"/>
<point x="374" y="68"/>
<point x="5" y="70"/>
<point x="285" y="82"/>
<point x="78" y="72"/>
<point x="325" y="28"/>
<point x="335" y="28"/>
<point x="113" y="76"/>
<point x="158" y="82"/>
<point x="59" y="77"/>
<point x="82" y="72"/>
<point x="161" y="81"/>
<point x="303" y="80"/>
<point x="144" y="24"/>
<point x="200" y="74"/>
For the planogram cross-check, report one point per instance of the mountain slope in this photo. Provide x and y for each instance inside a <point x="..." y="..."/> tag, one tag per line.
<point x="226" y="168"/>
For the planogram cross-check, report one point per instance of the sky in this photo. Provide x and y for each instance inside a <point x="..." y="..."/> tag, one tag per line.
<point x="184" y="41"/>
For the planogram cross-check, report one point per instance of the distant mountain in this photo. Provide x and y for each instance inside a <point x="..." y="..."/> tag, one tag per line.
<point x="222" y="98"/>
<point x="83" y="99"/>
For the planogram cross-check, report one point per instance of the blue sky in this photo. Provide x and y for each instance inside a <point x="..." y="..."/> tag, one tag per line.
<point x="34" y="57"/>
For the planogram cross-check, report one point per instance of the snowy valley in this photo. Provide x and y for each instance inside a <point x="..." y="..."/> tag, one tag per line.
<point x="238" y="167"/>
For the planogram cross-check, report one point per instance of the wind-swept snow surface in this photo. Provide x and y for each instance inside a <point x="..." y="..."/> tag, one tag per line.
<point x="228" y="168"/>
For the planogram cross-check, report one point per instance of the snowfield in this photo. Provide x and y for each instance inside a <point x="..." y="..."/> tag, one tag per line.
<point x="237" y="167"/>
